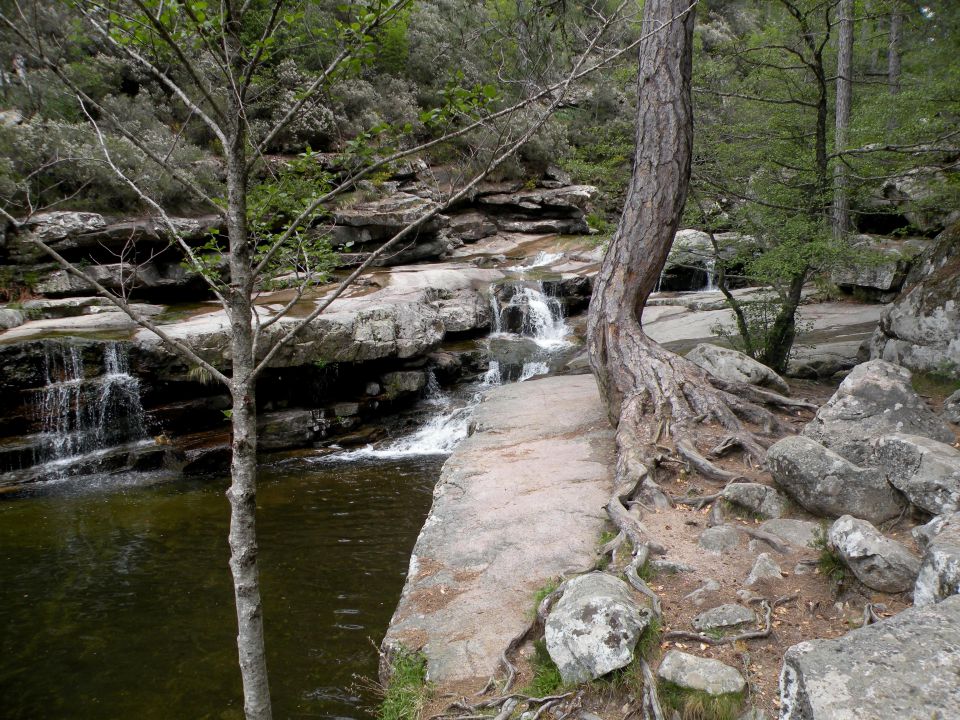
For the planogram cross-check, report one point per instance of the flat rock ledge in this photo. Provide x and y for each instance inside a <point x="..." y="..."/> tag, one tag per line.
<point x="519" y="502"/>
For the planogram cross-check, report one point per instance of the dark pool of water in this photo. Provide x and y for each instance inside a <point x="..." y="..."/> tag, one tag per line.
<point x="117" y="603"/>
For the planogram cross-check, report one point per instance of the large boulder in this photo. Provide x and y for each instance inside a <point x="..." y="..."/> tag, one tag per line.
<point x="876" y="398"/>
<point x="904" y="667"/>
<point x="884" y="268"/>
<point x="733" y="365"/>
<point x="939" y="576"/>
<point x="825" y="483"/>
<point x="921" y="330"/>
<point x="926" y="471"/>
<point x="594" y="627"/>
<point x="877" y="561"/>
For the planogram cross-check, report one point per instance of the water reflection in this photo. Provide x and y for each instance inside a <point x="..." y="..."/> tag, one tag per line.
<point x="119" y="604"/>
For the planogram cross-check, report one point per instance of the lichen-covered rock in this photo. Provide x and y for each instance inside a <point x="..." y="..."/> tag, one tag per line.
<point x="732" y="365"/>
<point x="594" y="627"/>
<point x="877" y="561"/>
<point x="939" y="576"/>
<point x="723" y="616"/>
<point x="704" y="674"/>
<point x="825" y="483"/>
<point x="904" y="667"/>
<point x="876" y="398"/>
<point x="926" y="471"/>
<point x="761" y="499"/>
<point x="886" y="271"/>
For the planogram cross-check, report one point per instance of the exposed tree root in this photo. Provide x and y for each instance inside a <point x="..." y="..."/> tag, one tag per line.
<point x="768" y="608"/>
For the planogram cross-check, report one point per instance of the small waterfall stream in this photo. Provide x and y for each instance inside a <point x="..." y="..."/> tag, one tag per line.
<point x="80" y="415"/>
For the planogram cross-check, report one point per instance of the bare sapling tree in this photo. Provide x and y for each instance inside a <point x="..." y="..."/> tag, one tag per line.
<point x="841" y="193"/>
<point x="654" y="396"/>
<point x="209" y="60"/>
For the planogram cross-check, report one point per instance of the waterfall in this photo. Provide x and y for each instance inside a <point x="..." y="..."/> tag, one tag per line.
<point x="544" y="320"/>
<point x="710" y="266"/>
<point x="532" y="369"/>
<point x="492" y="378"/>
<point x="541" y="259"/>
<point x="495" y="323"/>
<point x="79" y="415"/>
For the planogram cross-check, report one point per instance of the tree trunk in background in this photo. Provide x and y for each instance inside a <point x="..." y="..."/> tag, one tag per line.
<point x="893" y="51"/>
<point x="841" y="199"/>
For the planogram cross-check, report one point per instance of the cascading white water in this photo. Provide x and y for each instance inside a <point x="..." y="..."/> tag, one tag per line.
<point x="541" y="259"/>
<point x="80" y="415"/>
<point x="532" y="369"/>
<point x="544" y="320"/>
<point x="710" y="266"/>
<point x="496" y="325"/>
<point x="492" y="377"/>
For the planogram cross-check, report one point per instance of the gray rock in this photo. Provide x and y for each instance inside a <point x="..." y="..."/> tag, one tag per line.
<point x="403" y="382"/>
<point x="754" y="714"/>
<point x="819" y="363"/>
<point x="886" y="271"/>
<point x="939" y="576"/>
<point x="594" y="627"/>
<point x="464" y="311"/>
<point x="801" y="533"/>
<point x="951" y="408"/>
<point x="876" y="398"/>
<point x="290" y="429"/>
<point x="877" y="561"/>
<point x="926" y="471"/>
<point x="732" y="365"/>
<point x="11" y="318"/>
<point x="471" y="226"/>
<point x="921" y="330"/>
<point x="723" y="616"/>
<point x="700" y="596"/>
<point x="901" y="668"/>
<point x="372" y="388"/>
<point x="671" y="567"/>
<point x="923" y="535"/>
<point x="825" y="483"/>
<point x="697" y="673"/>
<point x="764" y="568"/>
<point x="720" y="539"/>
<point x="763" y="500"/>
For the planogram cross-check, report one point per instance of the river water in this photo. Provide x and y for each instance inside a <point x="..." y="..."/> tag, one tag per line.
<point x="116" y="601"/>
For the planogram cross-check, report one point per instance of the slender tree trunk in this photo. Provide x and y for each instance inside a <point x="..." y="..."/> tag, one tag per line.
<point x="841" y="199"/>
<point x="784" y="330"/>
<point x="243" y="469"/>
<point x="893" y="50"/>
<point x="893" y="60"/>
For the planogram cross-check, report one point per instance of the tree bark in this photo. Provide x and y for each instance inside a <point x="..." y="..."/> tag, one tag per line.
<point x="893" y="50"/>
<point x="841" y="198"/>
<point x="243" y="468"/>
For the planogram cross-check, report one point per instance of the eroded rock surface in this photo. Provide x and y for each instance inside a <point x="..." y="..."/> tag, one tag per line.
<point x="926" y="471"/>
<point x="732" y="365"/>
<point x="697" y="673"/>
<point x="939" y="576"/>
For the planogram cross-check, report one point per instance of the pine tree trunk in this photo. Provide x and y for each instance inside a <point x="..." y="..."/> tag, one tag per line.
<point x="841" y="198"/>
<point x="893" y="51"/>
<point x="618" y="347"/>
<point x="243" y="469"/>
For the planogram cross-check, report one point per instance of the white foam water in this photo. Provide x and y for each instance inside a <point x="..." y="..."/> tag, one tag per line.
<point x="541" y="259"/>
